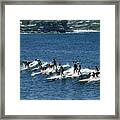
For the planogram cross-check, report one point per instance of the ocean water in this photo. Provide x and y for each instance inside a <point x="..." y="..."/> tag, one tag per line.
<point x="66" y="48"/>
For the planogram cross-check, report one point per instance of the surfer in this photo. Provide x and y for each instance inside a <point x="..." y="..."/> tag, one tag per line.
<point x="97" y="71"/>
<point x="78" y="67"/>
<point x="27" y="64"/>
<point x="24" y="63"/>
<point x="36" y="60"/>
<point x="40" y="64"/>
<point x="75" y="67"/>
<point x="58" y="69"/>
<point x="96" y="68"/>
<point x="54" y="64"/>
<point x="61" y="70"/>
<point x="93" y="74"/>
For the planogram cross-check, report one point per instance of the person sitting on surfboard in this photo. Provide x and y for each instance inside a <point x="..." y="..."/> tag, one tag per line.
<point x="96" y="73"/>
<point x="75" y="67"/>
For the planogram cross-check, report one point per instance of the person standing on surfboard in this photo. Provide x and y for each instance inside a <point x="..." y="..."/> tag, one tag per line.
<point x="97" y="71"/>
<point x="27" y="64"/>
<point x="78" y="68"/>
<point x="61" y="70"/>
<point x="40" y="64"/>
<point x="75" y="67"/>
<point x="54" y="64"/>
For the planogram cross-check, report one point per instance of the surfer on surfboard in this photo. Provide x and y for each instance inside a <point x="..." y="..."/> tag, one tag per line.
<point x="61" y="70"/>
<point x="97" y="71"/>
<point x="54" y="64"/>
<point x="40" y="64"/>
<point x="75" y="67"/>
<point x="78" y="68"/>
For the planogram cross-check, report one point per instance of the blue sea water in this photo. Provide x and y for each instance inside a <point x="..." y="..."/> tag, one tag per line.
<point x="65" y="47"/>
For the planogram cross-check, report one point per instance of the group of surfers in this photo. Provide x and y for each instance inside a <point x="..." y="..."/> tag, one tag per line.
<point x="59" y="69"/>
<point x="76" y="66"/>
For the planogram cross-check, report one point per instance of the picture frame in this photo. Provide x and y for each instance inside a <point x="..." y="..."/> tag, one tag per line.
<point x="2" y="61"/>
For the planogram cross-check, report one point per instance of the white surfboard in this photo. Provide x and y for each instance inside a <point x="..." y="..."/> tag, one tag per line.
<point x="72" y="76"/>
<point x="35" y="68"/>
<point x="90" y="79"/>
<point x="33" y="64"/>
<point x="35" y="73"/>
<point x="43" y="65"/>
<point x="23" y="68"/>
<point x="56" y="77"/>
<point x="52" y="70"/>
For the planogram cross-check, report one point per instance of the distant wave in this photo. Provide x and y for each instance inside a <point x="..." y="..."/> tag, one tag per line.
<point x="76" y="31"/>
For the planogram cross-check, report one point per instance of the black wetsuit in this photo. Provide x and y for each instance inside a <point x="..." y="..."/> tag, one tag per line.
<point x="78" y="68"/>
<point x="27" y="63"/>
<point x="97" y="68"/>
<point x="40" y="65"/>
<point x="75" y="67"/>
<point x="55" y="64"/>
<point x="97" y="73"/>
<point x="61" y="70"/>
<point x="93" y="74"/>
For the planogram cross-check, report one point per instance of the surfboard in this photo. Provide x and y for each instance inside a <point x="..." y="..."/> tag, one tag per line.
<point x="72" y="76"/>
<point x="43" y="65"/>
<point x="49" y="71"/>
<point x="23" y="68"/>
<point x="35" y="73"/>
<point x="56" y="77"/>
<point x="34" y="63"/>
<point x="90" y="79"/>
